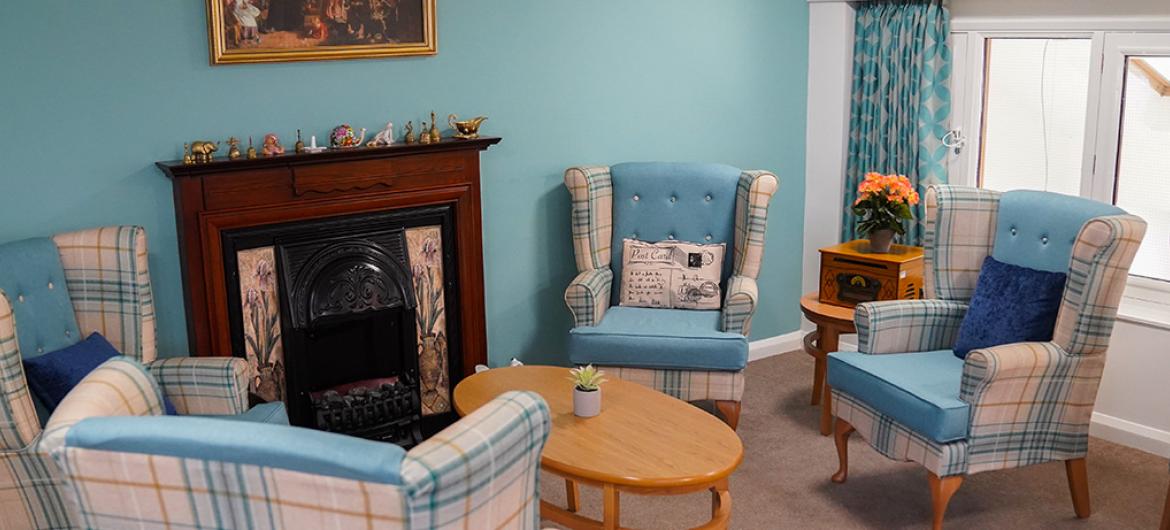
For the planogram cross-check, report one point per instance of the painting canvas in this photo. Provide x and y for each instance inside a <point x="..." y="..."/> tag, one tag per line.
<point x="262" y="345"/>
<point x="425" y="249"/>
<point x="251" y="31"/>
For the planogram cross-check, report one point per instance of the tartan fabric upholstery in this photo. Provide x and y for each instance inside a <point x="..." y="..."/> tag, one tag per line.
<point x="752" y="196"/>
<point x="897" y="442"/>
<point x="19" y="425"/>
<point x="482" y="472"/>
<point x="687" y="385"/>
<point x="120" y="386"/>
<point x="960" y="232"/>
<point x="740" y="304"/>
<point x="591" y="188"/>
<point x="109" y="283"/>
<point x="588" y="296"/>
<point x="903" y="326"/>
<point x="1097" y="276"/>
<point x="32" y="493"/>
<point x="1031" y="402"/>
<point x="204" y="385"/>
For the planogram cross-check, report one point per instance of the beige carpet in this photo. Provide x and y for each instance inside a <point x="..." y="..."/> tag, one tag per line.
<point x="784" y="479"/>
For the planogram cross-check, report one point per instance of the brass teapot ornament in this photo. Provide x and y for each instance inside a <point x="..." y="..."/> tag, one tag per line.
<point x="466" y="129"/>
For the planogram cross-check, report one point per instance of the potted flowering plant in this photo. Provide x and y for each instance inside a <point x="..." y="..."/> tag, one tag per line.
<point x="587" y="382"/>
<point x="883" y="203"/>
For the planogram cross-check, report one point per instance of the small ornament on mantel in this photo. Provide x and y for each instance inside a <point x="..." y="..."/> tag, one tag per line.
<point x="272" y="145"/>
<point x="299" y="147"/>
<point x="187" y="158"/>
<point x="436" y="137"/>
<point x="251" y="150"/>
<point x="233" y="147"/>
<point x="343" y="137"/>
<point x="384" y="137"/>
<point x="424" y="137"/>
<point x="409" y="137"/>
<point x="203" y="151"/>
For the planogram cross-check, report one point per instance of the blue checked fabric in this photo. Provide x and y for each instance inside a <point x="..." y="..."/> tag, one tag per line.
<point x="482" y="472"/>
<point x="588" y="295"/>
<point x="204" y="385"/>
<point x="1030" y="402"/>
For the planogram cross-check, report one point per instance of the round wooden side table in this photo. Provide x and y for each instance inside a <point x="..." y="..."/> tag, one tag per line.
<point x="831" y="322"/>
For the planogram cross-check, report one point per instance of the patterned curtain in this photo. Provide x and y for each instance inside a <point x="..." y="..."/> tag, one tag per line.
<point x="901" y="100"/>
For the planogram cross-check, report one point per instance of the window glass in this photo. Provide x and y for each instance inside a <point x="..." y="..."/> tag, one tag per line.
<point x="1143" y="160"/>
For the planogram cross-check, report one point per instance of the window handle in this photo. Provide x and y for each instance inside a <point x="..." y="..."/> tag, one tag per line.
<point x="954" y="139"/>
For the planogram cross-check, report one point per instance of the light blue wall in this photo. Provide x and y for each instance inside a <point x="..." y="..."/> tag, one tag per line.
<point x="94" y="92"/>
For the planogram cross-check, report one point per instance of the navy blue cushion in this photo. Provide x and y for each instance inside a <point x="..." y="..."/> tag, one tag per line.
<point x="32" y="278"/>
<point x="660" y="201"/>
<point x="1011" y="304"/>
<point x="918" y="390"/>
<point x="676" y="339"/>
<point x="260" y="444"/>
<point x="51" y="376"/>
<point x="1036" y="229"/>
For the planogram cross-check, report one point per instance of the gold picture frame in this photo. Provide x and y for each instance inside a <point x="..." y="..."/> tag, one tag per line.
<point x="247" y="31"/>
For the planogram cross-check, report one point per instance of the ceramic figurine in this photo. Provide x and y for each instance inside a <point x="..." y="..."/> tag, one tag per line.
<point x="435" y="136"/>
<point x="343" y="137"/>
<point x="233" y="147"/>
<point x="299" y="147"/>
<point x="424" y="136"/>
<point x="203" y="150"/>
<point x="409" y="138"/>
<point x="272" y="145"/>
<point x="466" y="129"/>
<point x="312" y="148"/>
<point x="187" y="158"/>
<point x="251" y="150"/>
<point x="384" y="137"/>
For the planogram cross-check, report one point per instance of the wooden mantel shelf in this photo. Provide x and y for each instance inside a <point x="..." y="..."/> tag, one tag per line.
<point x="176" y="168"/>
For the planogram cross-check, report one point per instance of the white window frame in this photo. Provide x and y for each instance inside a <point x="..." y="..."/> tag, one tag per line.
<point x="1146" y="300"/>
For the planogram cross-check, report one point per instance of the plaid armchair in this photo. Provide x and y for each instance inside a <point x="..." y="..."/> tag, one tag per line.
<point x="1002" y="407"/>
<point x="699" y="355"/>
<point x="128" y="467"/>
<point x="106" y="289"/>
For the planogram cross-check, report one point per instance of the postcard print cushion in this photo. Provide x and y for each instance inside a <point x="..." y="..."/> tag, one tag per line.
<point x="671" y="274"/>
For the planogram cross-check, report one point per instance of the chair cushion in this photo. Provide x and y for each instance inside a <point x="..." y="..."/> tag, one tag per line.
<point x="673" y="339"/>
<point x="51" y="376"/>
<point x="918" y="390"/>
<point x="659" y="201"/>
<point x="1011" y="304"/>
<point x="1037" y="229"/>
<point x="32" y="278"/>
<point x="261" y="444"/>
<point x="271" y="413"/>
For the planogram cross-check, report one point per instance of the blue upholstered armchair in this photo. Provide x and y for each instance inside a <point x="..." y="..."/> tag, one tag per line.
<point x="128" y="467"/>
<point x="1002" y="407"/>
<point x="690" y="354"/>
<point x="54" y="291"/>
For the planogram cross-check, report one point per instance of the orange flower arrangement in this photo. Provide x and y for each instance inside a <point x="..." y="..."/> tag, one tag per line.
<point x="883" y="203"/>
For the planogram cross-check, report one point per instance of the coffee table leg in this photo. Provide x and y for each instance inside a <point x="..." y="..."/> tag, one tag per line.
<point x="612" y="508"/>
<point x="720" y="506"/>
<point x="572" y="494"/>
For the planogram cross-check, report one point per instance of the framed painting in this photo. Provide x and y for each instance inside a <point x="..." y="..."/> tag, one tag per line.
<point x="266" y="31"/>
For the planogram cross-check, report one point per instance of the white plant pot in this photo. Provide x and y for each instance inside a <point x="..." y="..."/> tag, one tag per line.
<point x="586" y="404"/>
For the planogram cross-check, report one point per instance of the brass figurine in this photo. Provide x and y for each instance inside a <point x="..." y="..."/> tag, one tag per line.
<point x="299" y="147"/>
<point x="187" y="158"/>
<point x="434" y="133"/>
<point x="251" y="150"/>
<point x="203" y="150"/>
<point x="424" y="137"/>
<point x="466" y="129"/>
<point x="409" y="138"/>
<point x="233" y="147"/>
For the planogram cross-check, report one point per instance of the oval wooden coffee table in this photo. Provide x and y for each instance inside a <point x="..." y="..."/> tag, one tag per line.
<point x="644" y="442"/>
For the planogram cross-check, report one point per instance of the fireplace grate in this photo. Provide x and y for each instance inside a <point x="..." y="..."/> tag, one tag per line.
<point x="378" y="409"/>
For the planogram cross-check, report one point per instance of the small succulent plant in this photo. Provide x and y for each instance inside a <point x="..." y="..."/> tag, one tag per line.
<point x="587" y="378"/>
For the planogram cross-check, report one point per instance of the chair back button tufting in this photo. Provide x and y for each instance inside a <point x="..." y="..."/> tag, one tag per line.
<point x="707" y="198"/>
<point x="1044" y="240"/>
<point x="20" y="298"/>
<point x="50" y="286"/>
<point x="670" y="236"/>
<point x="673" y="198"/>
<point x="707" y="237"/>
<point x="40" y="349"/>
<point x="636" y="197"/>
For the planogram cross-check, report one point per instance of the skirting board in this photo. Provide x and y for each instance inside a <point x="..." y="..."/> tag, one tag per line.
<point x="759" y="349"/>
<point x="1130" y="434"/>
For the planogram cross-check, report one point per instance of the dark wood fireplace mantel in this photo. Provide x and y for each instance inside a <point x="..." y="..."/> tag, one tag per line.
<point x="226" y="195"/>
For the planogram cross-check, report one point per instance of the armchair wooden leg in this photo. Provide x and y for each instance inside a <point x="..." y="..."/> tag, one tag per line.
<point x="730" y="412"/>
<point x="1166" y="512"/>
<point x="841" y="432"/>
<point x="1078" y="486"/>
<point x="941" y="490"/>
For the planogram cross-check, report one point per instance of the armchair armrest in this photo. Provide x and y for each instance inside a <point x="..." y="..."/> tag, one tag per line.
<point x="204" y="385"/>
<point x="740" y="304"/>
<point x="120" y="386"/>
<point x="903" y="326"/>
<point x="482" y="470"/>
<point x="1030" y="402"/>
<point x="588" y="296"/>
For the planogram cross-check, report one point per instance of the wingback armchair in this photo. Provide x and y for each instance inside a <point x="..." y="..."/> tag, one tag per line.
<point x="690" y="354"/>
<point x="54" y="290"/>
<point x="1005" y="406"/>
<point x="128" y="467"/>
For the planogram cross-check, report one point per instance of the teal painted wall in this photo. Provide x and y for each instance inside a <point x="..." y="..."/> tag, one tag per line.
<point x="94" y="92"/>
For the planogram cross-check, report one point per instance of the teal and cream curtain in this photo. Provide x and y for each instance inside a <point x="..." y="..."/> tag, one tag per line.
<point x="901" y="100"/>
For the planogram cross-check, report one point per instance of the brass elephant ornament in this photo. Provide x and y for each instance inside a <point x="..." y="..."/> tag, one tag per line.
<point x="203" y="151"/>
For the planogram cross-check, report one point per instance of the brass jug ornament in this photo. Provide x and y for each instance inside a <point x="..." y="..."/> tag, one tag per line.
<point x="424" y="137"/>
<point x="233" y="147"/>
<point x="299" y="147"/>
<point x="409" y="137"/>
<point x="434" y="132"/>
<point x="466" y="129"/>
<point x="251" y="150"/>
<point x="187" y="158"/>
